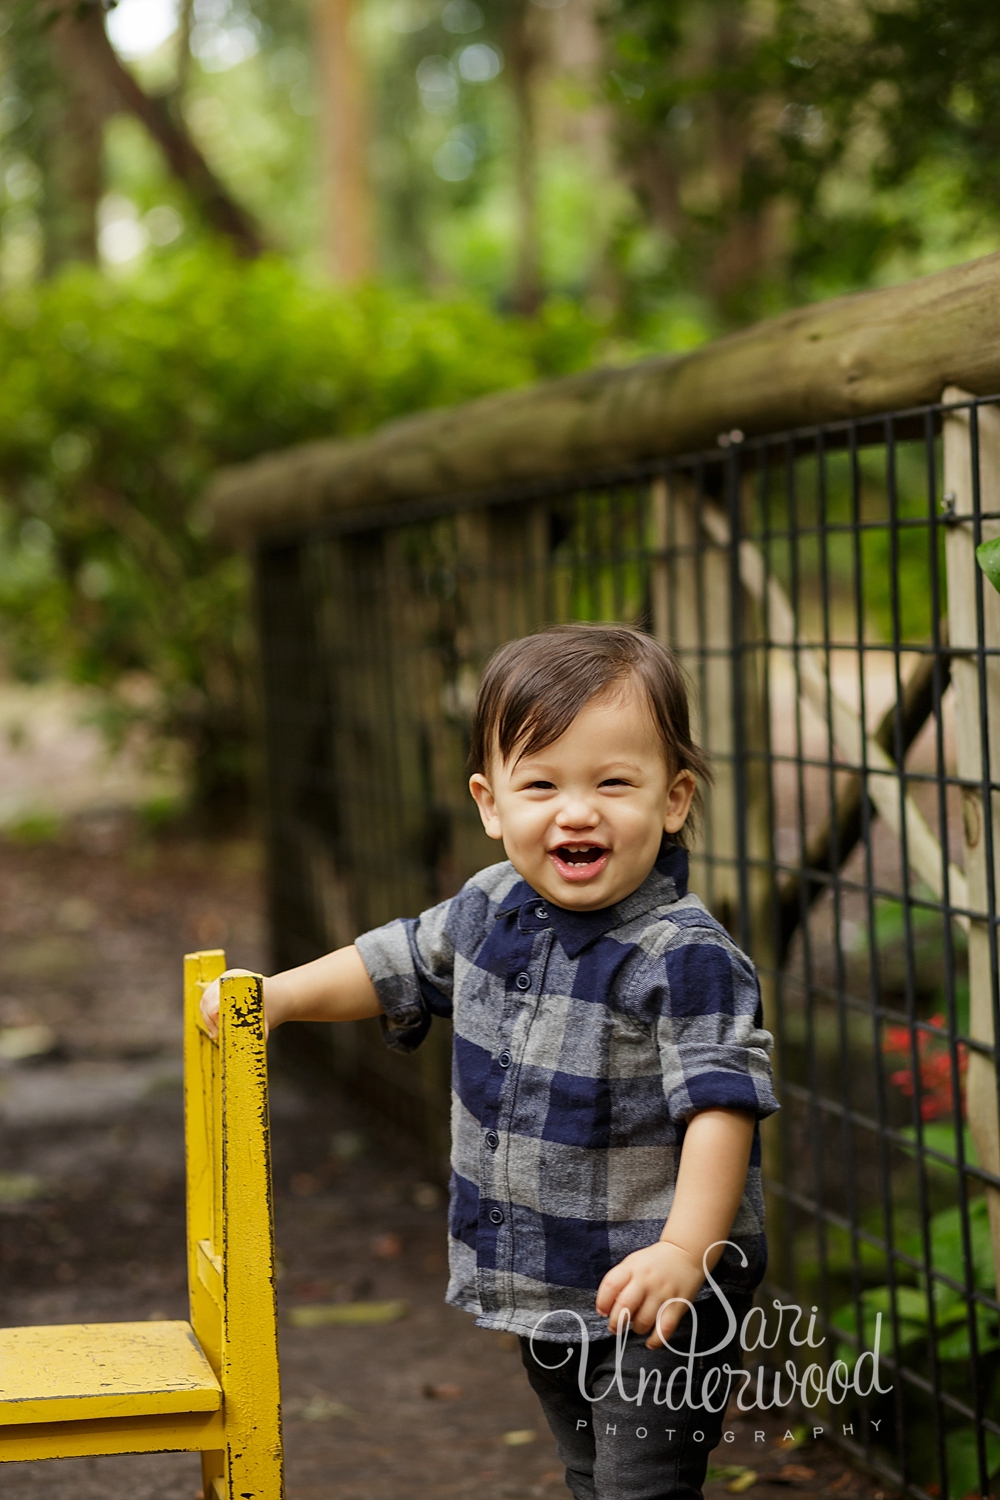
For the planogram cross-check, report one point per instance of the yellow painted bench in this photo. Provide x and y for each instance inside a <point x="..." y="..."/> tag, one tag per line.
<point x="211" y="1385"/>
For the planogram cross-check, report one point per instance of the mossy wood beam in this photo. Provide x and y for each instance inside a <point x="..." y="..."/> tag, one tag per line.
<point x="870" y="352"/>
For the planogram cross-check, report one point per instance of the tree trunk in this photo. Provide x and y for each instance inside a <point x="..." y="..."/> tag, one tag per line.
<point x="89" y="59"/>
<point x="75" y="175"/>
<point x="346" y="183"/>
<point x="523" y="58"/>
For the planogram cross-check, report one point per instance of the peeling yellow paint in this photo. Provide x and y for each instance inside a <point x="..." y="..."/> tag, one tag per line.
<point x="211" y="1385"/>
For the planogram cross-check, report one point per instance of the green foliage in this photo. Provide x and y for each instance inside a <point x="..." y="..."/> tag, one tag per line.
<point x="810" y="148"/>
<point x="33" y="828"/>
<point x="118" y="400"/>
<point x="951" y="1315"/>
<point x="988" y="557"/>
<point x="963" y="1461"/>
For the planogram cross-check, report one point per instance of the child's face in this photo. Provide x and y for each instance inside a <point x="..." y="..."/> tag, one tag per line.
<point x="582" y="820"/>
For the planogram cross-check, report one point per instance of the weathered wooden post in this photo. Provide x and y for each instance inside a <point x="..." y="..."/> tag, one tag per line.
<point x="691" y="614"/>
<point x="976" y="679"/>
<point x="714" y="627"/>
<point x="694" y="612"/>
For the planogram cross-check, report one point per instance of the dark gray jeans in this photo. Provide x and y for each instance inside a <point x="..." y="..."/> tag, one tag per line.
<point x="616" y="1448"/>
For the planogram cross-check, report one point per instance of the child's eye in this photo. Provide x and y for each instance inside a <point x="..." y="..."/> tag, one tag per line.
<point x="616" y="781"/>
<point x="540" y="786"/>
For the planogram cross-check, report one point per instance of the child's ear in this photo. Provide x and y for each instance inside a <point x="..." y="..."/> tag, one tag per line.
<point x="486" y="802"/>
<point x="679" y="797"/>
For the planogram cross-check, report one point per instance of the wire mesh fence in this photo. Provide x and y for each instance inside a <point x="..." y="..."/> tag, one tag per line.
<point x="843" y="647"/>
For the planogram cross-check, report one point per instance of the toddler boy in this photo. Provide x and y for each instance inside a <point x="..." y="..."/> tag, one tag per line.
<point x="609" y="1064"/>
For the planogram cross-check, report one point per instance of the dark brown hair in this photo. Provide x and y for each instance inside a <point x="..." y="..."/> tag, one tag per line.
<point x="532" y="690"/>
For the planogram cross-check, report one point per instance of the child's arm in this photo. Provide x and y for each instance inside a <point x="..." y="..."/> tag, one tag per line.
<point x="335" y="987"/>
<point x="710" y="1183"/>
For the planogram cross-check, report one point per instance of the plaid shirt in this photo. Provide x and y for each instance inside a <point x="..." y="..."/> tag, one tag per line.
<point x="583" y="1042"/>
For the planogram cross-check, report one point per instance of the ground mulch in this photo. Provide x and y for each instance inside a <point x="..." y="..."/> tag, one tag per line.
<point x="92" y="929"/>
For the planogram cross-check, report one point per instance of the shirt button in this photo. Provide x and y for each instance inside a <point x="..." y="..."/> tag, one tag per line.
<point x="523" y="981"/>
<point x="504" y="1059"/>
<point x="541" y="913"/>
<point x="492" y="1139"/>
<point x="496" y="1217"/>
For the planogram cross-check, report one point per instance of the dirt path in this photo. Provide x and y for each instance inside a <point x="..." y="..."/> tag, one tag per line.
<point x="91" y="1202"/>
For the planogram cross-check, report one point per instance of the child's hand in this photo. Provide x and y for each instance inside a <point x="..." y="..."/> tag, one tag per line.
<point x="333" y="988"/>
<point x="210" y="1000"/>
<point x="643" y="1282"/>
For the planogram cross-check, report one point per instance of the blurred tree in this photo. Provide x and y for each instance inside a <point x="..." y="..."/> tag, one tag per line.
<point x="775" y="149"/>
<point x="521" y="35"/>
<point x="344" y="125"/>
<point x="51" y="131"/>
<point x="481" y="122"/>
<point x="118" y="401"/>
<point x="76" y="172"/>
<point x="62" y="82"/>
<point x="83" y="43"/>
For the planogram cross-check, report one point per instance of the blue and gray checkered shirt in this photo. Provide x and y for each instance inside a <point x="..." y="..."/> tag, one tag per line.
<point x="583" y="1042"/>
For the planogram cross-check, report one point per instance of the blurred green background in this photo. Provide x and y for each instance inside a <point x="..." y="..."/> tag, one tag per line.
<point x="229" y="225"/>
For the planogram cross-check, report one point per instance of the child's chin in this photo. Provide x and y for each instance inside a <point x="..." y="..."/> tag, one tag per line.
<point x="580" y="895"/>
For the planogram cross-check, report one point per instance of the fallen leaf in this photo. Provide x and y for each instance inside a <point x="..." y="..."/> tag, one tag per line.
<point x="519" y="1437"/>
<point x="726" y="1471"/>
<point x="321" y="1409"/>
<point x="791" y="1473"/>
<point x="348" y="1314"/>
<point x="387" y="1247"/>
<point x="443" y="1392"/>
<point x="18" y="1043"/>
<point x="426" y="1195"/>
<point x="19" y="1187"/>
<point x="798" y="1437"/>
<point x="745" y="1481"/>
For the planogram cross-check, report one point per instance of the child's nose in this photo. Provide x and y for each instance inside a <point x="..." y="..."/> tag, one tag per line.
<point x="577" y="813"/>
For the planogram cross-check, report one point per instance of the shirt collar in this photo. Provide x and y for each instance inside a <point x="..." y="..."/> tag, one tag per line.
<point x="665" y="883"/>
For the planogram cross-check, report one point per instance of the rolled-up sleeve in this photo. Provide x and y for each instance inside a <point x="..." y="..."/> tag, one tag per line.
<point x="714" y="1050"/>
<point x="411" y="964"/>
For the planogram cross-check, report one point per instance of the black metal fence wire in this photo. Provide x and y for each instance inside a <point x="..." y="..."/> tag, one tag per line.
<point x="849" y="700"/>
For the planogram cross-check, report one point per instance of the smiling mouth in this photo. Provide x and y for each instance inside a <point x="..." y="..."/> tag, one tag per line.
<point x="579" y="854"/>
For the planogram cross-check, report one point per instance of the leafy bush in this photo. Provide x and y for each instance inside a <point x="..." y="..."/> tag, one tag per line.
<point x="951" y="1316"/>
<point x="119" y="398"/>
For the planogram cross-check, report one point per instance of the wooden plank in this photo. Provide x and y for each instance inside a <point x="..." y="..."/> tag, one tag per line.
<point x="254" y="1461"/>
<point x="210" y="1271"/>
<point x="964" y="585"/>
<point x="63" y="1373"/>
<point x="692" y="613"/>
<point x="202" y="1147"/>
<point x="195" y="1433"/>
<point x="870" y="352"/>
<point x="689" y="592"/>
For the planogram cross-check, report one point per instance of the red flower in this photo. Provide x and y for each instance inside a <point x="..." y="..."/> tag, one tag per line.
<point x="934" y="1061"/>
